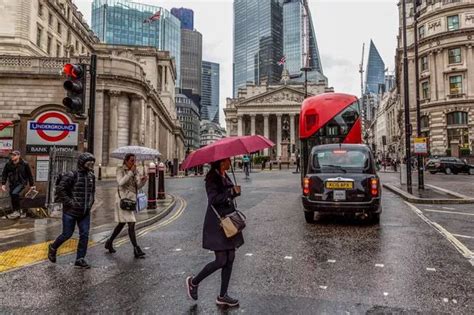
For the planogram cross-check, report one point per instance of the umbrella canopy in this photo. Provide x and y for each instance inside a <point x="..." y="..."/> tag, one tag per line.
<point x="141" y="153"/>
<point x="226" y="148"/>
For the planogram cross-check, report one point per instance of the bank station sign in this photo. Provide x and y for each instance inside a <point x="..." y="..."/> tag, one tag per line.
<point x="51" y="129"/>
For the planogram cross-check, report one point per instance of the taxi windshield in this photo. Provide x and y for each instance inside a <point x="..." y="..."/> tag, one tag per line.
<point x="340" y="160"/>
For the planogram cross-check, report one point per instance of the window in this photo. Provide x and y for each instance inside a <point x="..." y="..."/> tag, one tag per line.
<point x="421" y="32"/>
<point x="40" y="8"/>
<point x="59" y="28"/>
<point x="453" y="23"/>
<point x="58" y="50"/>
<point x="454" y="55"/>
<point x="48" y="44"/>
<point x="425" y="89"/>
<point x="76" y="46"/>
<point x="424" y="63"/>
<point x="457" y="118"/>
<point x="39" y="32"/>
<point x="455" y="85"/>
<point x="50" y="19"/>
<point x="424" y="122"/>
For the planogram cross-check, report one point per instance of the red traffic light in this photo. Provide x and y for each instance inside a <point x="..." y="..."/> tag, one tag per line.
<point x="73" y="71"/>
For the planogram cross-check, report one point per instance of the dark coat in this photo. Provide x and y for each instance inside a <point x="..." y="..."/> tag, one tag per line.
<point x="76" y="190"/>
<point x="220" y="195"/>
<point x="17" y="174"/>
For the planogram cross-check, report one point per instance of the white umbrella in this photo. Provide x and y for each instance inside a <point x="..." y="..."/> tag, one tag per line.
<point x="141" y="153"/>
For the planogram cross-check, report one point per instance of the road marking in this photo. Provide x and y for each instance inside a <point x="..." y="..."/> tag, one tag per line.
<point x="430" y="269"/>
<point x="385" y="293"/>
<point x="445" y="300"/>
<point x="249" y="254"/>
<point x="324" y="287"/>
<point x="455" y="302"/>
<point x="288" y="257"/>
<point x="379" y="265"/>
<point x="147" y="248"/>
<point x="460" y="247"/>
<point x="332" y="261"/>
<point x="450" y="212"/>
<point x="177" y="249"/>
<point x="447" y="208"/>
<point x="463" y="236"/>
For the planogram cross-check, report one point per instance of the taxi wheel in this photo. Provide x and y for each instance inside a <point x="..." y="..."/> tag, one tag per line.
<point x="309" y="217"/>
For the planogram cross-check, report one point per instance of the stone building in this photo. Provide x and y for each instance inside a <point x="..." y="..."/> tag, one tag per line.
<point x="446" y="81"/>
<point x="188" y="116"/>
<point x="135" y="100"/>
<point x="211" y="132"/>
<point x="267" y="109"/>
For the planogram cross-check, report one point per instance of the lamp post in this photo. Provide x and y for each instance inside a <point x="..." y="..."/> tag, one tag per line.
<point x="305" y="60"/>
<point x="421" y="180"/>
<point x="406" y="100"/>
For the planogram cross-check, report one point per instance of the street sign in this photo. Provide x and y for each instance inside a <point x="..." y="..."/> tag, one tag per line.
<point x="421" y="145"/>
<point x="51" y="129"/>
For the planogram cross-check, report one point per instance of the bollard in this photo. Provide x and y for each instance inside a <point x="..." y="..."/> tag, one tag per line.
<point x="152" y="186"/>
<point x="99" y="177"/>
<point x="271" y="166"/>
<point x="161" y="181"/>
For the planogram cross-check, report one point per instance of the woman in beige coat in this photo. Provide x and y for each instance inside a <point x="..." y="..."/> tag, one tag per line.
<point x="129" y="182"/>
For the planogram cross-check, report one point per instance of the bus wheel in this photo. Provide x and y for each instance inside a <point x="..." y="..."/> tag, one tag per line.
<point x="309" y="217"/>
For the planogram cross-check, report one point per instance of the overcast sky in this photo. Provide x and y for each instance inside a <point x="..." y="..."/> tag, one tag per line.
<point x="341" y="27"/>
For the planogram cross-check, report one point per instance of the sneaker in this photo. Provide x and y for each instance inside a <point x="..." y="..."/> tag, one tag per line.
<point x="81" y="263"/>
<point x="15" y="215"/>
<point x="227" y="301"/>
<point x="51" y="253"/>
<point x="192" y="289"/>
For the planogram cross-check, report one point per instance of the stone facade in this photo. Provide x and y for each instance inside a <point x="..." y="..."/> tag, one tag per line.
<point x="446" y="61"/>
<point x="271" y="111"/>
<point x="211" y="132"/>
<point x="188" y="115"/>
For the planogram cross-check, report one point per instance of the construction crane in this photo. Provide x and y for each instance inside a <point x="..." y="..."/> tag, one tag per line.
<point x="361" y="71"/>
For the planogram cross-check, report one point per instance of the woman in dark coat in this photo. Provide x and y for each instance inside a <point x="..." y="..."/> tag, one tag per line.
<point x="221" y="193"/>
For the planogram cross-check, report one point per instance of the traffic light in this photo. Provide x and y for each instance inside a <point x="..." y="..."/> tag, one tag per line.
<point x="75" y="85"/>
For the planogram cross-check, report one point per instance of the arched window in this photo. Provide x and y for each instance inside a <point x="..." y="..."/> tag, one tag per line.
<point x="457" y="118"/>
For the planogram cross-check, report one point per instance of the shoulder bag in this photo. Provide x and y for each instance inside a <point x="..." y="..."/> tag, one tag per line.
<point x="233" y="223"/>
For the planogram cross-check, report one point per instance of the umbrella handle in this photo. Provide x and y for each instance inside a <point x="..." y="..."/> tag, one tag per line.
<point x="233" y="174"/>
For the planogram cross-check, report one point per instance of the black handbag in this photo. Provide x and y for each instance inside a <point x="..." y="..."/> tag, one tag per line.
<point x="127" y="204"/>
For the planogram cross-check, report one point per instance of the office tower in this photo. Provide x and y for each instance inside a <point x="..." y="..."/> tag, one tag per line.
<point x="210" y="92"/>
<point x="186" y="16"/>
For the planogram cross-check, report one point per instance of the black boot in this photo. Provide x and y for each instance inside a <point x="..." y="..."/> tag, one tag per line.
<point x="51" y="253"/>
<point x="109" y="246"/>
<point x="138" y="252"/>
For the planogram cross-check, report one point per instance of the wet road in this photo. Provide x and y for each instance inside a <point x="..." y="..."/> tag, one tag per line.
<point x="286" y="266"/>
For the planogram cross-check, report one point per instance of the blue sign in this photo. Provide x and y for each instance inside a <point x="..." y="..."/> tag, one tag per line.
<point x="52" y="127"/>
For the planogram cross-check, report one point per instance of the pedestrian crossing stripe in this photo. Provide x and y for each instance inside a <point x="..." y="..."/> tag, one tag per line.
<point x="27" y="255"/>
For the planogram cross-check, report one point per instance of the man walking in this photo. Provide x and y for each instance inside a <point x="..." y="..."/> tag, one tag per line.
<point x="17" y="173"/>
<point x="76" y="191"/>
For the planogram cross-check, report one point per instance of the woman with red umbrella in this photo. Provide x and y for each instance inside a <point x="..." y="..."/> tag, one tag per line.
<point x="221" y="193"/>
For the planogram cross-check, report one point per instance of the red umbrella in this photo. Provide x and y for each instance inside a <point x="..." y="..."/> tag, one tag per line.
<point x="226" y="148"/>
<point x="5" y="124"/>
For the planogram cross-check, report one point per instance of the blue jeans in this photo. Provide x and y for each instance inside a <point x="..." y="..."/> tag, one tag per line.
<point x="15" y="196"/>
<point x="69" y="224"/>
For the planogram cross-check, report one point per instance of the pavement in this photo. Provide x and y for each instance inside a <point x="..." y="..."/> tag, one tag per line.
<point x="22" y="239"/>
<point x="405" y="264"/>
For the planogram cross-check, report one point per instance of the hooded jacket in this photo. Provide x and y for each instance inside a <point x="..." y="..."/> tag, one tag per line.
<point x="76" y="190"/>
<point x="17" y="174"/>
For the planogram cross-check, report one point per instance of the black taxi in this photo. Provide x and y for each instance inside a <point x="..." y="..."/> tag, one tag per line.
<point x="342" y="179"/>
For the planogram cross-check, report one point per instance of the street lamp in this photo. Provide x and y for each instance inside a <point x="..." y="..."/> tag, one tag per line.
<point x="306" y="66"/>
<point x="406" y="100"/>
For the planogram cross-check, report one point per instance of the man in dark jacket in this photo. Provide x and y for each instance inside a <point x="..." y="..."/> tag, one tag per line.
<point x="76" y="191"/>
<point x="17" y="173"/>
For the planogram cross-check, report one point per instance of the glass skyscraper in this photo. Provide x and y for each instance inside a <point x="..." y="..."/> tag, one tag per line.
<point x="210" y="92"/>
<point x="122" y="22"/>
<point x="375" y="73"/>
<point x="186" y="16"/>
<point x="293" y="30"/>
<point x="258" y="41"/>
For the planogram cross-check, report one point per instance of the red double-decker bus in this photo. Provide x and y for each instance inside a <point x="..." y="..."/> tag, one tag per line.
<point x="328" y="118"/>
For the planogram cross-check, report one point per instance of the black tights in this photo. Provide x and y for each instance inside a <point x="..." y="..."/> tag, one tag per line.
<point x="224" y="260"/>
<point x="131" y="232"/>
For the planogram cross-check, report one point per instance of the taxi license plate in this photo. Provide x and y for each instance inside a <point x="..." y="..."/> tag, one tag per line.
<point x="339" y="185"/>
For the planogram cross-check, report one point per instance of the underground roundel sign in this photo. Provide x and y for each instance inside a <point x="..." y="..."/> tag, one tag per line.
<point x="49" y="129"/>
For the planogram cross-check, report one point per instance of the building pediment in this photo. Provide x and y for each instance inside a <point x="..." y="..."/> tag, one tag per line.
<point x="281" y="96"/>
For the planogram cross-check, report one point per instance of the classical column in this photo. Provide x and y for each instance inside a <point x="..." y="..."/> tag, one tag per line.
<point x="135" y="106"/>
<point x="278" y="135"/>
<point x="149" y="131"/>
<point x="157" y="132"/>
<point x="99" y="127"/>
<point x="266" y="130"/>
<point x="252" y="124"/>
<point x="239" y="125"/>
<point x="113" y="123"/>
<point x="469" y="77"/>
<point x="292" y="132"/>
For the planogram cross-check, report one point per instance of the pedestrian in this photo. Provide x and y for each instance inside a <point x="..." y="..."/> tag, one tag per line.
<point x="76" y="191"/>
<point x="246" y="161"/>
<point x="17" y="173"/>
<point x="297" y="162"/>
<point x="221" y="193"/>
<point x="129" y="182"/>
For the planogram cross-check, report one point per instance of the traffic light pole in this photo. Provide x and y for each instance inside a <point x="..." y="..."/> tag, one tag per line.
<point x="421" y="180"/>
<point x="91" y="113"/>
